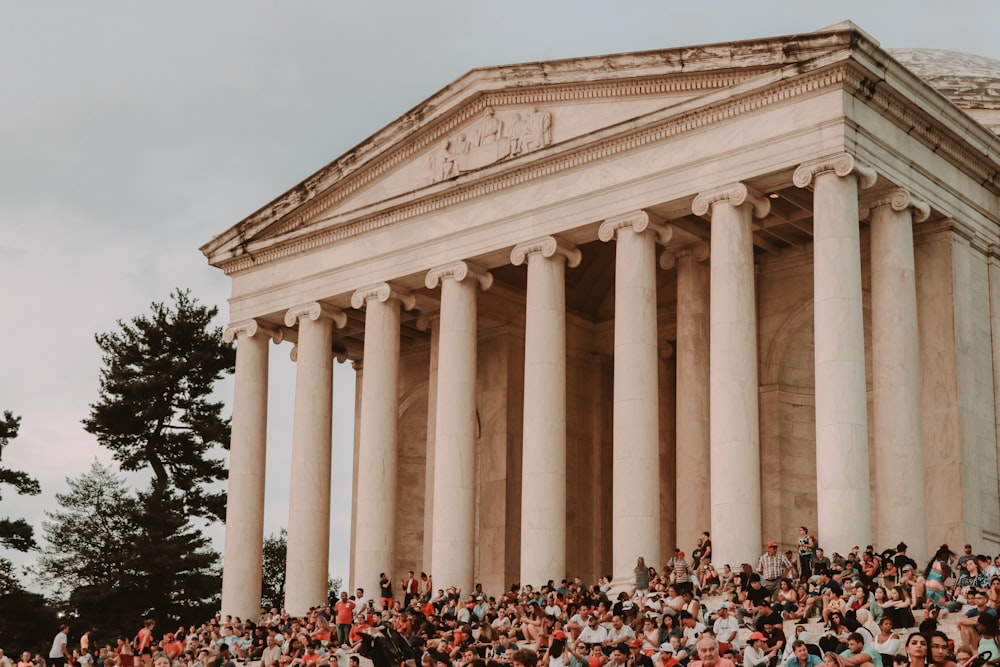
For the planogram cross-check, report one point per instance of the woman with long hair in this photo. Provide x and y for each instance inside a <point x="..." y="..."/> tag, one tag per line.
<point x="897" y="607"/>
<point x="786" y="599"/>
<point x="670" y="628"/>
<point x="916" y="649"/>
<point x="836" y="637"/>
<point x="831" y="659"/>
<point x="641" y="573"/>
<point x="930" y="588"/>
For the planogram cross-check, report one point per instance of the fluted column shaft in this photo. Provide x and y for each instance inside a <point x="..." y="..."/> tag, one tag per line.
<point x="636" y="448"/>
<point x="843" y="496"/>
<point x="896" y="421"/>
<point x="693" y="477"/>
<point x="309" y="502"/>
<point x="375" y="541"/>
<point x="243" y="561"/>
<point x="735" y="434"/>
<point x="453" y="544"/>
<point x="543" y="457"/>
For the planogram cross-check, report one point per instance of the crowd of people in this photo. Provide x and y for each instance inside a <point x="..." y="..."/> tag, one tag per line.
<point x="855" y="610"/>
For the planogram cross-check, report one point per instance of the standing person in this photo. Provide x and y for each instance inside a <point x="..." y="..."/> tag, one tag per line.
<point x="806" y="545"/>
<point x="124" y="652"/>
<point x="772" y="567"/>
<point x="410" y="588"/>
<point x="144" y="643"/>
<point x="344" y="613"/>
<point x="931" y="586"/>
<point x="641" y="576"/>
<point x="385" y="591"/>
<point x="426" y="586"/>
<point x="59" y="653"/>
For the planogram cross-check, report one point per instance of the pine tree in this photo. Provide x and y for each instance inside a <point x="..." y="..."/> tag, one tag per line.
<point x="15" y="533"/>
<point x="155" y="410"/>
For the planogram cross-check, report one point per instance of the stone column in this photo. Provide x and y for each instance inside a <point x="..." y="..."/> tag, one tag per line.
<point x="843" y="496"/>
<point x="375" y="542"/>
<point x="453" y="544"/>
<point x="692" y="392"/>
<point x="430" y="322"/>
<point x="897" y="421"/>
<point x="243" y="560"/>
<point x="309" y="502"/>
<point x="636" y="449"/>
<point x="735" y="425"/>
<point x="543" y="457"/>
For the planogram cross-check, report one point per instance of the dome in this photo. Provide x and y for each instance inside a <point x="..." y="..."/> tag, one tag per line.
<point x="971" y="81"/>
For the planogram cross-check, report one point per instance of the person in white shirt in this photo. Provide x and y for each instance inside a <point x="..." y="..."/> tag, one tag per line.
<point x="594" y="633"/>
<point x="692" y="629"/>
<point x="619" y="632"/>
<point x="756" y="653"/>
<point x="725" y="628"/>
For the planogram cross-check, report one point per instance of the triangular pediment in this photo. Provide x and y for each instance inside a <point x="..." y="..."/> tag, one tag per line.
<point x="501" y="116"/>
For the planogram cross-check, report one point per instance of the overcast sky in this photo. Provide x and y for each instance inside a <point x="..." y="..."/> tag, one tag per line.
<point x="133" y="132"/>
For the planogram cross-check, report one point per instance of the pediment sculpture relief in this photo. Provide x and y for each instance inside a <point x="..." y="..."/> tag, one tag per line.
<point x="494" y="138"/>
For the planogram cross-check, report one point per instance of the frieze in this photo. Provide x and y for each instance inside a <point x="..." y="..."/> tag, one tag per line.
<point x="496" y="137"/>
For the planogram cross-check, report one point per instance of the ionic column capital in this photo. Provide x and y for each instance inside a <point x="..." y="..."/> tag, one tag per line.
<point x="426" y="320"/>
<point x="899" y="199"/>
<point x="638" y="222"/>
<point x="383" y="292"/>
<point x="546" y="246"/>
<point x="339" y="354"/>
<point x="734" y="194"/>
<point x="700" y="251"/>
<point x="841" y="164"/>
<point x="459" y="271"/>
<point x="251" y="328"/>
<point x="315" y="310"/>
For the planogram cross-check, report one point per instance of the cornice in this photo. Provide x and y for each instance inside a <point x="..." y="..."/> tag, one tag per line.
<point x="922" y="127"/>
<point x="548" y="161"/>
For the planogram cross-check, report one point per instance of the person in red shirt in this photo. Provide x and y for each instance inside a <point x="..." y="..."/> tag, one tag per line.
<point x="344" y="614"/>
<point x="410" y="588"/>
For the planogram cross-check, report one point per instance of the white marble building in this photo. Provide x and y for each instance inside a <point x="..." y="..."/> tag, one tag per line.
<point x="599" y="305"/>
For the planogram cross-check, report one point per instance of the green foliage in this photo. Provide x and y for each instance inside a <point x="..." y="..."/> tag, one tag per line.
<point x="273" y="576"/>
<point x="26" y="622"/>
<point x="124" y="556"/>
<point x="155" y="410"/>
<point x="15" y="533"/>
